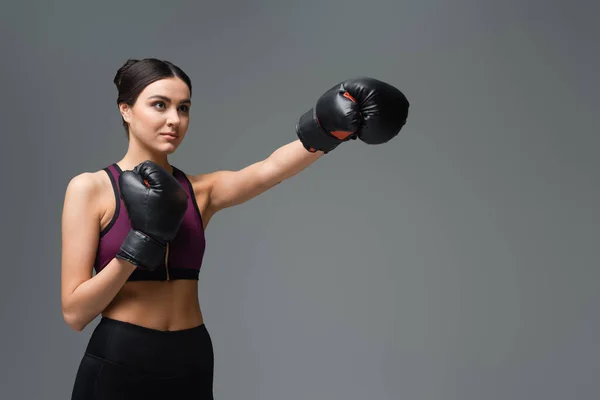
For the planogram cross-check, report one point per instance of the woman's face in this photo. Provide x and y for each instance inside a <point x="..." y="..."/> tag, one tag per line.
<point x="160" y="117"/>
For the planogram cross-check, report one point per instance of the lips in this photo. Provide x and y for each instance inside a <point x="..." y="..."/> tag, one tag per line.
<point x="169" y="134"/>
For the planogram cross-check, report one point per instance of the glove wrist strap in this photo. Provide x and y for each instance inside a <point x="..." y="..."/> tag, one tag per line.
<point x="142" y="251"/>
<point x="313" y="136"/>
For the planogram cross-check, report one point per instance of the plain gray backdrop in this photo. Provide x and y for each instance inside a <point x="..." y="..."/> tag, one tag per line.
<point x="458" y="261"/>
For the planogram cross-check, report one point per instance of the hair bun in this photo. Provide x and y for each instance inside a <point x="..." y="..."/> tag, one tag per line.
<point x="124" y="67"/>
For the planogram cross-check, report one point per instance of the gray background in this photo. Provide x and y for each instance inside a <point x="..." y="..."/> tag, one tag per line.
<point x="459" y="261"/>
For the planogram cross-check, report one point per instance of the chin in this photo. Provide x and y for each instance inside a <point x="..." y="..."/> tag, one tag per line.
<point x="165" y="148"/>
<point x="169" y="149"/>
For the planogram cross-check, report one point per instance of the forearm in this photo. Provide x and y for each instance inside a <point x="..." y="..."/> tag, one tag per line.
<point x="289" y="160"/>
<point x="90" y="298"/>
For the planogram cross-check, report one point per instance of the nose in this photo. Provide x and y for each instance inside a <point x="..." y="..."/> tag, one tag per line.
<point x="173" y="118"/>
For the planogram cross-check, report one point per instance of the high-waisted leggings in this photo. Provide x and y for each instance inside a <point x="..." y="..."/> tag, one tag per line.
<point x="128" y="361"/>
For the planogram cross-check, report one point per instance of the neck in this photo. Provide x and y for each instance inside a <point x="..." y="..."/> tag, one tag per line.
<point x="135" y="156"/>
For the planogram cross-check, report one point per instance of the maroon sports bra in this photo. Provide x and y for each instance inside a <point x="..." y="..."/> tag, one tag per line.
<point x="186" y="251"/>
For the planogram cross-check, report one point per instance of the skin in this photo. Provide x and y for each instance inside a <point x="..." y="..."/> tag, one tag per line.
<point x="89" y="205"/>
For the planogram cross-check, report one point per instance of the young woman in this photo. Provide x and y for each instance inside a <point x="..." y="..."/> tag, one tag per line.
<point x="139" y="224"/>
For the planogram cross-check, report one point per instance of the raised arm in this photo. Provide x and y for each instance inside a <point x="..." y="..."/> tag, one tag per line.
<point x="230" y="188"/>
<point x="362" y="108"/>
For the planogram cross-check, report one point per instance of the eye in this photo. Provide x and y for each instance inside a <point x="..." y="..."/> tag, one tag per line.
<point x="158" y="103"/>
<point x="184" y="108"/>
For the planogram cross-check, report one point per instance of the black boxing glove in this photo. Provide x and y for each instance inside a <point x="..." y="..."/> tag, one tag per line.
<point x="156" y="204"/>
<point x="363" y="108"/>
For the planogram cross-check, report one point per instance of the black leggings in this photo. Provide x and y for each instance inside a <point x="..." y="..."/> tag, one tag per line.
<point x="127" y="361"/>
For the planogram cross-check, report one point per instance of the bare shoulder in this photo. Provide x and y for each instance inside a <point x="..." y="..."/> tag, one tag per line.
<point x="200" y="182"/>
<point x="87" y="184"/>
<point x="92" y="188"/>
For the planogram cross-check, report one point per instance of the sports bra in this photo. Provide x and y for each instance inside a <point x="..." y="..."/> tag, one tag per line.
<point x="186" y="251"/>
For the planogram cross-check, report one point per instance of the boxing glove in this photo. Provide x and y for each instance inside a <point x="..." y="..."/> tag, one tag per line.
<point x="364" y="108"/>
<point x="156" y="204"/>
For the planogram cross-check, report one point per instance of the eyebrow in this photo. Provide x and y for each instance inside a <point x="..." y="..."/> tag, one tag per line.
<point x="157" y="96"/>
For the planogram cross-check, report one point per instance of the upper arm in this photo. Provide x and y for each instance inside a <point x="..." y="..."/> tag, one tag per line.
<point x="230" y="188"/>
<point x="80" y="233"/>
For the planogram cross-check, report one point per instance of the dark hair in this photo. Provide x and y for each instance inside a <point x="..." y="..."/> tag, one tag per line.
<point x="133" y="77"/>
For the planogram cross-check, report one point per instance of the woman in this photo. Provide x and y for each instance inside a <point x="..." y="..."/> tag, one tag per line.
<point x="139" y="224"/>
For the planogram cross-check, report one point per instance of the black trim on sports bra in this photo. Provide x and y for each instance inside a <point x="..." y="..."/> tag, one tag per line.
<point x="117" y="201"/>
<point x="161" y="274"/>
<point x="192" y="194"/>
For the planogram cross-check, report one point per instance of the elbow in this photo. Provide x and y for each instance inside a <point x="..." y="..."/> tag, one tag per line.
<point x="73" y="321"/>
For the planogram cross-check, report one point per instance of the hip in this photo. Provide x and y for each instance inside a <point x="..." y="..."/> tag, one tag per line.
<point x="128" y="361"/>
<point x="150" y="351"/>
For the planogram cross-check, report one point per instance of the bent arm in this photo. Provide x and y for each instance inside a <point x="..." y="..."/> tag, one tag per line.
<point x="91" y="297"/>
<point x="84" y="297"/>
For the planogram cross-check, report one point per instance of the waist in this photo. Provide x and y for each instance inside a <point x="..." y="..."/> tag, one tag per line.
<point x="162" y="306"/>
<point x="149" y="350"/>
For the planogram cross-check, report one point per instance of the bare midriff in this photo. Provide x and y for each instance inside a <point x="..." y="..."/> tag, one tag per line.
<point x="161" y="305"/>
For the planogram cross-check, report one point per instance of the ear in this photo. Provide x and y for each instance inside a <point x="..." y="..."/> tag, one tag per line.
<point x="125" y="111"/>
